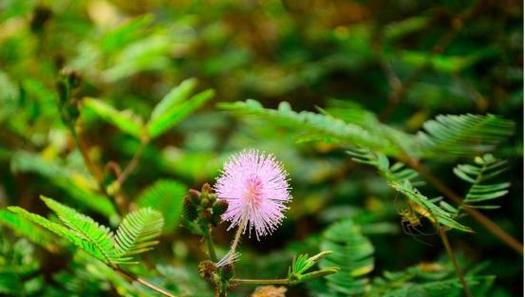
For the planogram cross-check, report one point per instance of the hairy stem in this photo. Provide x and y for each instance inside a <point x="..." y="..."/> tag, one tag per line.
<point x="143" y="282"/>
<point x="476" y="215"/>
<point x="446" y="243"/>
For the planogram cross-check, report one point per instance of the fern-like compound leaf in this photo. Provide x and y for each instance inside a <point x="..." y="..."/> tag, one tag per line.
<point x="315" y="126"/>
<point x="483" y="191"/>
<point x="137" y="233"/>
<point x="90" y="244"/>
<point x="98" y="238"/>
<point x="463" y="135"/>
<point x="352" y="253"/>
<point x="404" y="180"/>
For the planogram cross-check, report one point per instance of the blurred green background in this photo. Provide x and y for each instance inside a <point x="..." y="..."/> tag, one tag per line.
<point x="407" y="61"/>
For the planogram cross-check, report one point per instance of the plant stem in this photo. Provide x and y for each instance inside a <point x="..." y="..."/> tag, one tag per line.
<point x="143" y="282"/>
<point x="476" y="215"/>
<point x="132" y="165"/>
<point x="237" y="237"/>
<point x="279" y="281"/>
<point x="446" y="243"/>
<point x="209" y="244"/>
<point x="92" y="168"/>
<point x="283" y="281"/>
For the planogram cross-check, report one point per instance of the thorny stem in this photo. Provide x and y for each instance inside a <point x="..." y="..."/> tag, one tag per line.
<point x="476" y="215"/>
<point x="143" y="282"/>
<point x="446" y="243"/>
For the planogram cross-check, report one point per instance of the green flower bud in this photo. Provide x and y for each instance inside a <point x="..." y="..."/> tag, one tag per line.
<point x="220" y="207"/>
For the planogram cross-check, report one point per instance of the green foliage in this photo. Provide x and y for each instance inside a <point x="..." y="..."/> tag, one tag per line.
<point x="479" y="174"/>
<point x="138" y="232"/>
<point x="428" y="279"/>
<point x="298" y="271"/>
<point x="463" y="135"/>
<point x="315" y="126"/>
<point x="447" y="135"/>
<point x="135" y="235"/>
<point x="124" y="120"/>
<point x="352" y="253"/>
<point x="402" y="179"/>
<point x="443" y="214"/>
<point x="25" y="228"/>
<point x="19" y="269"/>
<point x="172" y="109"/>
<point x="165" y="196"/>
<point x="176" y="106"/>
<point x="76" y="183"/>
<point x="412" y="88"/>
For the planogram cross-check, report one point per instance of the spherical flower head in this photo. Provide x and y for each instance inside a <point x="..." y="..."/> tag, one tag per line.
<point x="255" y="185"/>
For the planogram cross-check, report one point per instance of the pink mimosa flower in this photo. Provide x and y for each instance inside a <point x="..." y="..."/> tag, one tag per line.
<point x="256" y="188"/>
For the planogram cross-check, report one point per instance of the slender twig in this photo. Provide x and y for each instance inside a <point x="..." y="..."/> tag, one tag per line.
<point x="209" y="245"/>
<point x="284" y="281"/>
<point x="279" y="281"/>
<point x="143" y="282"/>
<point x="132" y="165"/>
<point x="459" y="272"/>
<point x="92" y="168"/>
<point x="476" y="215"/>
<point x="238" y="234"/>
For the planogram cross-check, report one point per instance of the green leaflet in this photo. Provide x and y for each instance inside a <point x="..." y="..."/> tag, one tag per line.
<point x="176" y="96"/>
<point x="316" y="126"/>
<point x="135" y="235"/>
<point x="124" y="120"/>
<point x="463" y="135"/>
<point x="98" y="237"/>
<point x="352" y="253"/>
<point x="25" y="228"/>
<point x="403" y="180"/>
<point x="174" y="108"/>
<point x="484" y="169"/>
<point x="443" y="215"/>
<point x="165" y="196"/>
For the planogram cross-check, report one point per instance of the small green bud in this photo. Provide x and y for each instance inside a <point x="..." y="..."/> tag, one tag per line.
<point x="206" y="189"/>
<point x="220" y="207"/>
<point x="195" y="196"/>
